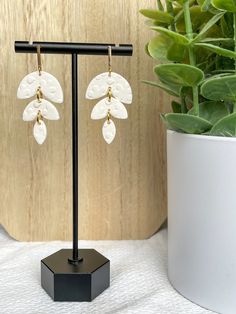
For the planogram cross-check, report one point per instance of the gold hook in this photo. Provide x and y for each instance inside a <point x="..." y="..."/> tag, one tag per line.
<point x="109" y="60"/>
<point x="39" y="117"/>
<point x="39" y="61"/>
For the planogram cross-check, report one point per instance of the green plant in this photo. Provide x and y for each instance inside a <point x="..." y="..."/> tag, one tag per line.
<point x="195" y="47"/>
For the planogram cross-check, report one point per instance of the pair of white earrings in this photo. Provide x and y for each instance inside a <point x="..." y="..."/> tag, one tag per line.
<point x="42" y="84"/>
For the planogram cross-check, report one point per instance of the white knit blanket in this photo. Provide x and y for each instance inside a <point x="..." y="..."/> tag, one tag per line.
<point x="139" y="281"/>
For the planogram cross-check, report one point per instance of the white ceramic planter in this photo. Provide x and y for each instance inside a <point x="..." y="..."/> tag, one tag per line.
<point x="202" y="219"/>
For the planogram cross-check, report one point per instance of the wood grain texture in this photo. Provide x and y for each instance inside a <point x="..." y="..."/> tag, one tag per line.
<point x="122" y="186"/>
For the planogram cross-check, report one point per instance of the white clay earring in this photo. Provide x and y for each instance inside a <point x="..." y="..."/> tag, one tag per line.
<point x="117" y="91"/>
<point x="40" y="84"/>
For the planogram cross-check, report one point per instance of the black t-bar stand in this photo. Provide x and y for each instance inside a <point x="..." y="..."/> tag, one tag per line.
<point x="90" y="269"/>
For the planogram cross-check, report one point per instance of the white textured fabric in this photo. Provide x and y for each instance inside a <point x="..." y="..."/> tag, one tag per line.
<point x="139" y="281"/>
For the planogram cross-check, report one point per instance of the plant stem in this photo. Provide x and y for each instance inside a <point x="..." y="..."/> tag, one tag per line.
<point x="170" y="10"/>
<point x="181" y="12"/>
<point x="192" y="57"/>
<point x="187" y="19"/>
<point x="159" y="5"/>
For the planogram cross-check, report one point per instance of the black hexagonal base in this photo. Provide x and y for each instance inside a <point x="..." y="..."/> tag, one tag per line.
<point x="83" y="281"/>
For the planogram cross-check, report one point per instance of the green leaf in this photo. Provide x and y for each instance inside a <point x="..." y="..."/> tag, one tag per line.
<point x="206" y="5"/>
<point x="213" y="32"/>
<point x="158" y="47"/>
<point x="220" y="88"/>
<point x="211" y="111"/>
<point x="187" y="123"/>
<point x="176" y="53"/>
<point x="218" y="40"/>
<point x="220" y="51"/>
<point x="160" y="16"/>
<point x="150" y="23"/>
<point x="172" y="90"/>
<point x="176" y="107"/>
<point x="200" y="2"/>
<point x="226" y="5"/>
<point x="224" y="65"/>
<point x="208" y="25"/>
<point x="179" y="74"/>
<point x="163" y="118"/>
<point x="177" y="2"/>
<point x="160" y="5"/>
<point x="223" y="72"/>
<point x="227" y="25"/>
<point x="225" y="127"/>
<point x="176" y="37"/>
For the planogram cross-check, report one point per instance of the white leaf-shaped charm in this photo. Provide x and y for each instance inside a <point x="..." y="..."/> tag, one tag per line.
<point x="109" y="131"/>
<point x="100" y="109"/>
<point x="117" y="109"/>
<point x="31" y="110"/>
<point x="40" y="132"/>
<point x="50" y="86"/>
<point x="28" y="86"/>
<point x="47" y="110"/>
<point x="120" y="87"/>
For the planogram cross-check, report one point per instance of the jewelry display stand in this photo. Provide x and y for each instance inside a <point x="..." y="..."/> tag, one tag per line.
<point x="74" y="274"/>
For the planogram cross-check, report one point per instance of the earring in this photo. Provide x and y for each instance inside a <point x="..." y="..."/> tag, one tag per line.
<point x="40" y="84"/>
<point x="117" y="91"/>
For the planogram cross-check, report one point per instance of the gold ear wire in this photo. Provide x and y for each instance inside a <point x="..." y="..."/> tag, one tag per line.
<point x="109" y="60"/>
<point x="39" y="61"/>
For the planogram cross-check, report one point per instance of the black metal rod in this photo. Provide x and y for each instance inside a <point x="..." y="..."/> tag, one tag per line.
<point x="73" y="48"/>
<point x="75" y="153"/>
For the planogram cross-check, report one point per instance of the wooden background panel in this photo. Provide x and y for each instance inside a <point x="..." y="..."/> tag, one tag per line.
<point x="122" y="186"/>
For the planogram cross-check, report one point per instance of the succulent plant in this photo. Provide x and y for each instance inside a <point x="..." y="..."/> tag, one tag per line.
<point x="195" y="47"/>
